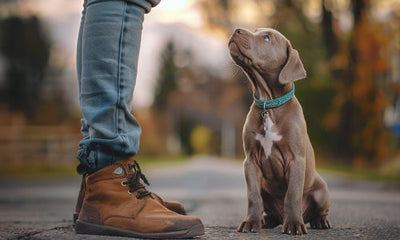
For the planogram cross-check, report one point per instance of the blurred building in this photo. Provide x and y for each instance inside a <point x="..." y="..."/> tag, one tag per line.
<point x="220" y="104"/>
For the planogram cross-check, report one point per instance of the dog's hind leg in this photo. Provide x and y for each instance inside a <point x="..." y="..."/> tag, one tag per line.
<point x="319" y="208"/>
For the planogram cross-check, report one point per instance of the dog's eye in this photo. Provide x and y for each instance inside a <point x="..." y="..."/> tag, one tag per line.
<point x="266" y="38"/>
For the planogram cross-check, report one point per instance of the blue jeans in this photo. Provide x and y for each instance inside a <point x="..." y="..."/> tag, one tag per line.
<point x="107" y="56"/>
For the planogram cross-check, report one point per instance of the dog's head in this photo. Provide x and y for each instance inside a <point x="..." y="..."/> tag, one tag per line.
<point x="267" y="52"/>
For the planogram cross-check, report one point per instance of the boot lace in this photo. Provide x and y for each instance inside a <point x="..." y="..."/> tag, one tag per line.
<point x="133" y="181"/>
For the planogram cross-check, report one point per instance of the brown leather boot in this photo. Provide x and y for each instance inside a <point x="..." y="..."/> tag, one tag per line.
<point x="117" y="203"/>
<point x="171" y="205"/>
<point x="81" y="195"/>
<point x="174" y="206"/>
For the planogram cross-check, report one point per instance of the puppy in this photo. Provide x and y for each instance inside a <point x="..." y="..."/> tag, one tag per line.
<point x="283" y="186"/>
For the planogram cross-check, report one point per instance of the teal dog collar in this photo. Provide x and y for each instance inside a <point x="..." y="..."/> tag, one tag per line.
<point x="267" y="104"/>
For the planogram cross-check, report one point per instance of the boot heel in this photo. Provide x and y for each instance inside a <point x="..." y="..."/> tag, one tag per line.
<point x="85" y="228"/>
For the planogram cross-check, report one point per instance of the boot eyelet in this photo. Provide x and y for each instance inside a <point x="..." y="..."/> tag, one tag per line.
<point x="129" y="191"/>
<point x="123" y="183"/>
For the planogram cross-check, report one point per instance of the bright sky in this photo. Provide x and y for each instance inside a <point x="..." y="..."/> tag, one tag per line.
<point x="178" y="11"/>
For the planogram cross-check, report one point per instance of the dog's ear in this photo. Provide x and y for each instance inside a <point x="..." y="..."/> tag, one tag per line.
<point x="293" y="69"/>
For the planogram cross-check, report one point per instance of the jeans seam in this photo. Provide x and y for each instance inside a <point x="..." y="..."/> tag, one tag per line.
<point x="120" y="62"/>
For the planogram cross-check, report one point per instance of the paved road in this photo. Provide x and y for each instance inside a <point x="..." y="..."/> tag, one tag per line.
<point x="212" y="189"/>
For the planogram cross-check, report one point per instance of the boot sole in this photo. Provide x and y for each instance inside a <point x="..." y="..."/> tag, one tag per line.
<point x="82" y="227"/>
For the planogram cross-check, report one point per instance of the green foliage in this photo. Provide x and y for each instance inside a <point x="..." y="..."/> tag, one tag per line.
<point x="317" y="104"/>
<point x="166" y="82"/>
<point x="26" y="50"/>
<point x="185" y="128"/>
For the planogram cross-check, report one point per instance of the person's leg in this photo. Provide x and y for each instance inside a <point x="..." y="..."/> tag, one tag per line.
<point x="172" y="205"/>
<point x="107" y="66"/>
<point x="117" y="203"/>
<point x="84" y="128"/>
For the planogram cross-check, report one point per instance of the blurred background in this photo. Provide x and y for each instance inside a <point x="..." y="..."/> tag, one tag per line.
<point x="190" y="98"/>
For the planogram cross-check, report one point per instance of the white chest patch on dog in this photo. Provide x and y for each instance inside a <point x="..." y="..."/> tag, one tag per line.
<point x="270" y="136"/>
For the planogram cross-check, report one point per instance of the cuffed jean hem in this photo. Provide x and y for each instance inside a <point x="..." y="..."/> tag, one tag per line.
<point x="97" y="154"/>
<point x="91" y="154"/>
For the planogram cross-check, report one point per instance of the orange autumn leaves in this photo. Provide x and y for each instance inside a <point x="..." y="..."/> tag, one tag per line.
<point x="364" y="60"/>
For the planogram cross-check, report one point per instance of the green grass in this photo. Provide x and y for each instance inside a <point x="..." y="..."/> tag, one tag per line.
<point x="356" y="173"/>
<point x="151" y="162"/>
<point x="326" y="164"/>
<point x="39" y="171"/>
<point x="69" y="170"/>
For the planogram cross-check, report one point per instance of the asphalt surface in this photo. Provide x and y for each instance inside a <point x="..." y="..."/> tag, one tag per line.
<point x="210" y="188"/>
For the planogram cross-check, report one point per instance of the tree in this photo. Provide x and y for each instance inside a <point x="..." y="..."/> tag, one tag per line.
<point x="26" y="49"/>
<point x="358" y="67"/>
<point x="166" y="82"/>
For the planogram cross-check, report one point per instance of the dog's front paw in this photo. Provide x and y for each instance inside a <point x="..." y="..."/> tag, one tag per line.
<point x="295" y="227"/>
<point x="320" y="222"/>
<point x="249" y="226"/>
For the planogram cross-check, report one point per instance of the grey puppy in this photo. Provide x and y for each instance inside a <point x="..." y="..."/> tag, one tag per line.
<point x="283" y="186"/>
